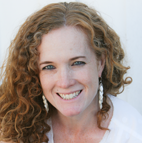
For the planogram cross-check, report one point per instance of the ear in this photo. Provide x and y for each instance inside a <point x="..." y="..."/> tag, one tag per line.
<point x="101" y="64"/>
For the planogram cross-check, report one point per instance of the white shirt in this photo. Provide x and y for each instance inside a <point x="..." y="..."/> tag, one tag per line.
<point x="125" y="125"/>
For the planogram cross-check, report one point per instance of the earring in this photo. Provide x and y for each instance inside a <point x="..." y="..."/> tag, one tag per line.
<point x="100" y="94"/>
<point x="45" y="103"/>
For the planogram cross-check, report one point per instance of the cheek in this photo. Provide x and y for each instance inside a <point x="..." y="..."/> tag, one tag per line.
<point x="88" y="77"/>
<point x="46" y="82"/>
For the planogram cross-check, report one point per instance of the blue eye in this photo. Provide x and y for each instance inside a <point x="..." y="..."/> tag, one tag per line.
<point x="48" y="67"/>
<point x="79" y="63"/>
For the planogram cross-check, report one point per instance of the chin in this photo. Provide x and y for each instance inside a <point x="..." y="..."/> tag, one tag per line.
<point x="70" y="113"/>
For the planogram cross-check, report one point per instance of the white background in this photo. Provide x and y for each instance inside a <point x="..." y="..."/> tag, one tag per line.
<point x="124" y="16"/>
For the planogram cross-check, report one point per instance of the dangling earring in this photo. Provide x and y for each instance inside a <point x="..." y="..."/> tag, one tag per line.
<point x="100" y="94"/>
<point x="45" y="103"/>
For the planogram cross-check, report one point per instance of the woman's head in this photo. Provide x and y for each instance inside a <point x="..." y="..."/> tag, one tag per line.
<point x="69" y="71"/>
<point x="21" y="78"/>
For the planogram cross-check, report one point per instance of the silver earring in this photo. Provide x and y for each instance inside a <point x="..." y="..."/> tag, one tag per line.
<point x="100" y="94"/>
<point x="45" y="103"/>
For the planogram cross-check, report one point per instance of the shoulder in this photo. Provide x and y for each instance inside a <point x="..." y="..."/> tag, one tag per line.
<point x="122" y="108"/>
<point x="126" y="121"/>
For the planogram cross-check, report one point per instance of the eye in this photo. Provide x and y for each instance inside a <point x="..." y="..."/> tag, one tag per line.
<point x="78" y="63"/>
<point x="48" y="67"/>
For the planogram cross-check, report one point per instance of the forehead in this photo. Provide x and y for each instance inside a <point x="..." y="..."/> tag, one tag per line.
<point x="67" y="41"/>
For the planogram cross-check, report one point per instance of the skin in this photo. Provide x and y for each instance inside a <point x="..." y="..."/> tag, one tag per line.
<point x="67" y="64"/>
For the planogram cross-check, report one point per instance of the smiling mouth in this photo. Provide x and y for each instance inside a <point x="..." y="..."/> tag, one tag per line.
<point x="69" y="96"/>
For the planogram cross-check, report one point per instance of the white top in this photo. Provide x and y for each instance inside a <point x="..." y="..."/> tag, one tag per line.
<point x="125" y="125"/>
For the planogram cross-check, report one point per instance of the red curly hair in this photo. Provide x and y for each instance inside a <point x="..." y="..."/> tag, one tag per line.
<point x="22" y="113"/>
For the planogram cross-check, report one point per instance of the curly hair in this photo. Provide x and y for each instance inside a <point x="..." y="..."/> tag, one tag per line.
<point x="22" y="113"/>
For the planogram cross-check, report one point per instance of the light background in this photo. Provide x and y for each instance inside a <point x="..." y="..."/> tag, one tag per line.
<point x="124" y="16"/>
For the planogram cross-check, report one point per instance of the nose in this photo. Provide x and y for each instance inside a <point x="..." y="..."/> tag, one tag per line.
<point x="65" y="78"/>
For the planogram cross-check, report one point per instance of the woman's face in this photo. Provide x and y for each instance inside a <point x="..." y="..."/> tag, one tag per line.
<point x="69" y="71"/>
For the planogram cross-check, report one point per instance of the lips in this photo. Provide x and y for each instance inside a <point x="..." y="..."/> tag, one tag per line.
<point x="69" y="96"/>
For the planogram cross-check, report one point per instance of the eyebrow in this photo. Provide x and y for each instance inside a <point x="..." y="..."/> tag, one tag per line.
<point x="74" y="58"/>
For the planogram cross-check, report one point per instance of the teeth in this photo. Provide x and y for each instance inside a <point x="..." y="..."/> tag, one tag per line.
<point x="74" y="94"/>
<point x="70" y="96"/>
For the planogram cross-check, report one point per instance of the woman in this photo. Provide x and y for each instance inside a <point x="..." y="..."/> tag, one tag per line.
<point x="63" y="71"/>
